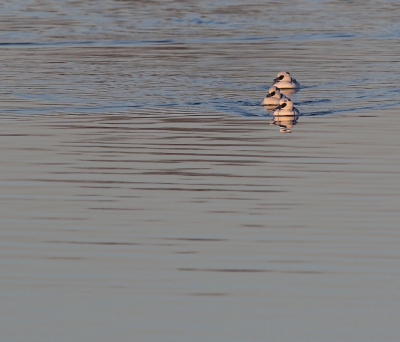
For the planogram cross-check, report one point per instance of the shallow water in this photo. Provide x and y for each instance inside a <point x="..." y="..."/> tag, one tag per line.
<point x="146" y="195"/>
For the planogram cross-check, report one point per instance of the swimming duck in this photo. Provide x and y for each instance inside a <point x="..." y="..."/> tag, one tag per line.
<point x="285" y="108"/>
<point x="273" y="97"/>
<point x="284" y="81"/>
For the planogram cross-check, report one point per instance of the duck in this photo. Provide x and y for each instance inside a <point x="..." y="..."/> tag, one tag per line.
<point x="285" y="108"/>
<point x="284" y="81"/>
<point x="273" y="97"/>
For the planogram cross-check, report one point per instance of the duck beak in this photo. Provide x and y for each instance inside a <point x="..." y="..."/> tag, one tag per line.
<point x="268" y="95"/>
<point x="276" y="79"/>
<point x="279" y="107"/>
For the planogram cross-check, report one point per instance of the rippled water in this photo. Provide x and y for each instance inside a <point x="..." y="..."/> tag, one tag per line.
<point x="147" y="196"/>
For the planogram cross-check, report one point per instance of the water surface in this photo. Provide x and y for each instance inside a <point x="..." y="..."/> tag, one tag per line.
<point x="146" y="195"/>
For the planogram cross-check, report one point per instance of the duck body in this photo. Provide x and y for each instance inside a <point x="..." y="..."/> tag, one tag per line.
<point x="284" y="81"/>
<point x="285" y="108"/>
<point x="273" y="97"/>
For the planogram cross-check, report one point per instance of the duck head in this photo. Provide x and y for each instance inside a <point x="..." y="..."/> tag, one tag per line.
<point x="285" y="104"/>
<point x="283" y="76"/>
<point x="274" y="92"/>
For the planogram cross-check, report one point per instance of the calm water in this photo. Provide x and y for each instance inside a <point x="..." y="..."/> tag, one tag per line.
<point x="147" y="196"/>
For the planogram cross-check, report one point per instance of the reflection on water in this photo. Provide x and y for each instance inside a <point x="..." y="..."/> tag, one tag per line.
<point x="285" y="122"/>
<point x="143" y="192"/>
<point x="289" y="92"/>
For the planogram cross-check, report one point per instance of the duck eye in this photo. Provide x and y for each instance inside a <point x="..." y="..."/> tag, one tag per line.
<point x="281" y="77"/>
<point x="273" y="93"/>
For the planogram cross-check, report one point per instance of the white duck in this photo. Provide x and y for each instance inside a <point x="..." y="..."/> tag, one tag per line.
<point x="284" y="81"/>
<point x="273" y="97"/>
<point x="285" y="108"/>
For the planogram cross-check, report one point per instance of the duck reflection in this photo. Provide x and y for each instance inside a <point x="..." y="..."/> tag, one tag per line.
<point x="285" y="122"/>
<point x="289" y="92"/>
